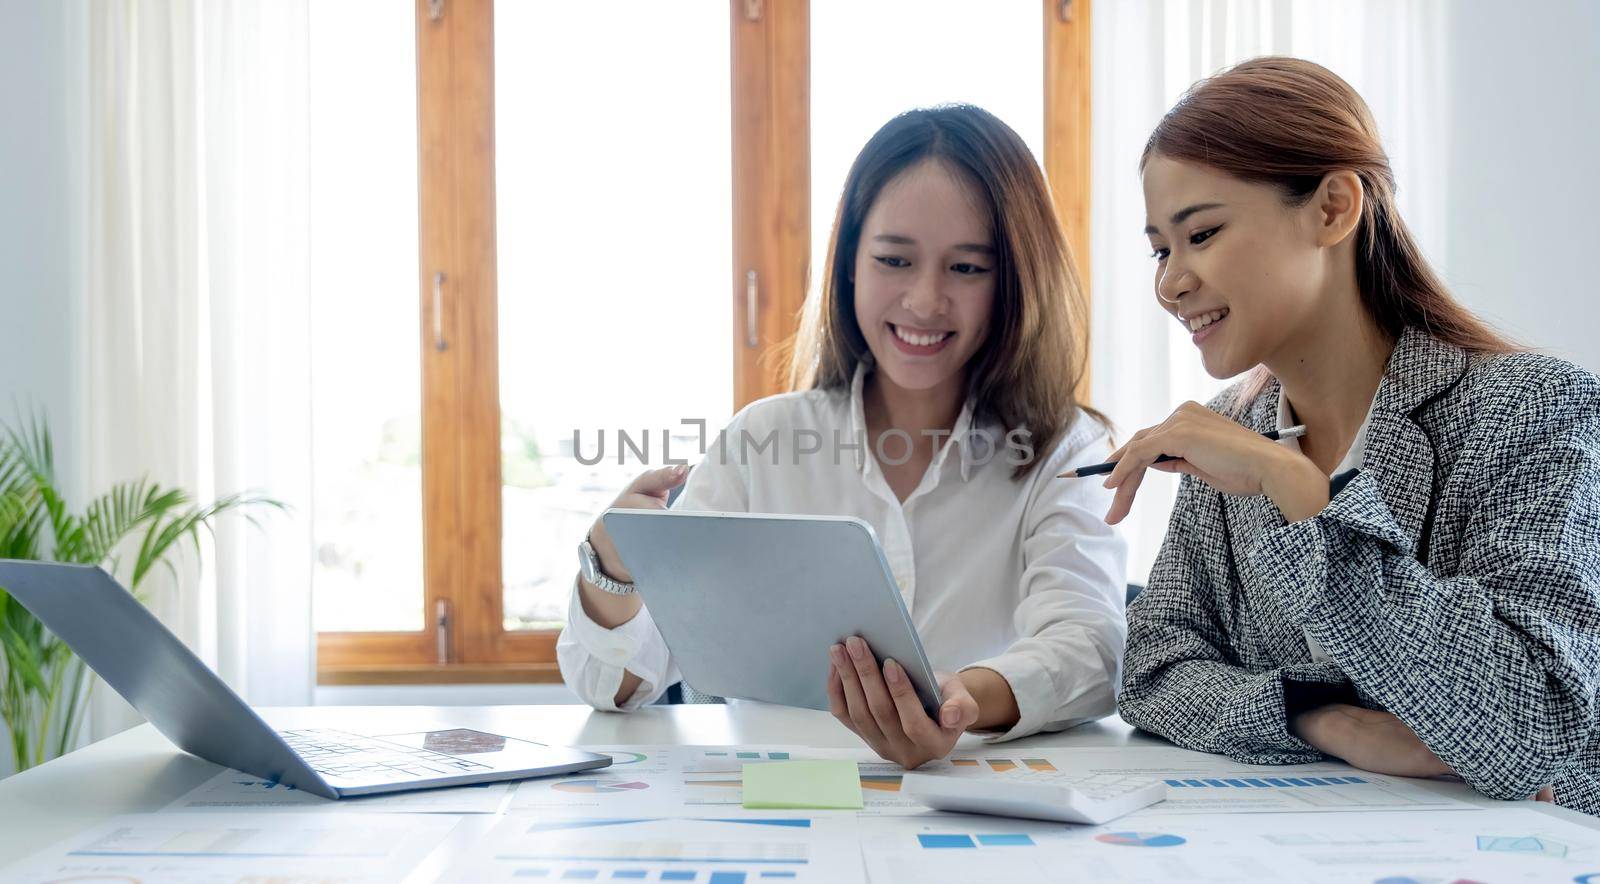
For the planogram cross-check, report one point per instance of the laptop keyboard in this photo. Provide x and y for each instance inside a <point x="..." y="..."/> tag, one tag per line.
<point x="343" y="755"/>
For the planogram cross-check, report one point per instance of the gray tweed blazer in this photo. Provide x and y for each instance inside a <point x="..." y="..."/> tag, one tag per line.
<point x="1453" y="581"/>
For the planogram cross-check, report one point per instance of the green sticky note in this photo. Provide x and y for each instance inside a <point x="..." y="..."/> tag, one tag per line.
<point x="807" y="785"/>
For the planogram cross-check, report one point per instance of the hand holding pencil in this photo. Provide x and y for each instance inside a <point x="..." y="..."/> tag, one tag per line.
<point x="1100" y="469"/>
<point x="1231" y="458"/>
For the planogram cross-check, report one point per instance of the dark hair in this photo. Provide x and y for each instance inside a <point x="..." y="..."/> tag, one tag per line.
<point x="1026" y="373"/>
<point x="1289" y="122"/>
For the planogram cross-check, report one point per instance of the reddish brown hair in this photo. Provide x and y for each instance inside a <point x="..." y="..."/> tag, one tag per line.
<point x="1289" y="122"/>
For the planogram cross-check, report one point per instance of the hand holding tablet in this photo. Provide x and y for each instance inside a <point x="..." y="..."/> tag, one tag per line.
<point x="879" y="705"/>
<point x="749" y="604"/>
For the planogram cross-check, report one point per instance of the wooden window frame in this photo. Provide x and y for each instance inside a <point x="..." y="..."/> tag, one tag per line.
<point x="1067" y="93"/>
<point x="461" y="473"/>
<point x="457" y="283"/>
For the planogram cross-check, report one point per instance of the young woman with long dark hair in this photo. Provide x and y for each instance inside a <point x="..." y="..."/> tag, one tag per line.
<point x="934" y="382"/>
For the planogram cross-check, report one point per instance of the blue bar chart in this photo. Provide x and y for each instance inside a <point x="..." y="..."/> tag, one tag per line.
<point x="1266" y="783"/>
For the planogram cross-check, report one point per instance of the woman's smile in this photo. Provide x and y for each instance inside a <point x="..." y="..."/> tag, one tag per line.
<point x="919" y="342"/>
<point x="1204" y="325"/>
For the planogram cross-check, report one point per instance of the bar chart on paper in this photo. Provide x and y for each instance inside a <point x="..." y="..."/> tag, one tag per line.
<point x="1248" y="790"/>
<point x="1269" y="782"/>
<point x="964" y="841"/>
<point x="732" y="754"/>
<point x="1198" y="782"/>
<point x="741" y="850"/>
<point x="969" y="849"/>
<point x="1003" y="765"/>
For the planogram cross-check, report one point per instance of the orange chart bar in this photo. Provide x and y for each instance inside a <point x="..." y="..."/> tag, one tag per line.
<point x="881" y="783"/>
<point x="1001" y="765"/>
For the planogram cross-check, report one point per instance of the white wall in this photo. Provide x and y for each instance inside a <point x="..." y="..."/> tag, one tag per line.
<point x="41" y="365"/>
<point x="39" y="360"/>
<point x="1525" y="190"/>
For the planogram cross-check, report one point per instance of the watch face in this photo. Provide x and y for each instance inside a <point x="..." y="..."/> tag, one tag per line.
<point x="586" y="563"/>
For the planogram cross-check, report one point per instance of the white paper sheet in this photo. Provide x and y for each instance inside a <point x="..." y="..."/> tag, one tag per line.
<point x="1208" y="783"/>
<point x="1198" y="782"/>
<point x="231" y="790"/>
<point x="694" y="780"/>
<point x="1513" y="843"/>
<point x="309" y="846"/>
<point x="662" y="811"/>
<point x="651" y="781"/>
<point x="777" y="849"/>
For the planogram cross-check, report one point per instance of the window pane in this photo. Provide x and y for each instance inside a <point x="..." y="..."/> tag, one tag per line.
<point x="870" y="61"/>
<point x="614" y="211"/>
<point x="367" y="489"/>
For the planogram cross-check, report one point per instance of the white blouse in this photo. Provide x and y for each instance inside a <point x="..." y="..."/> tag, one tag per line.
<point x="1024" y="578"/>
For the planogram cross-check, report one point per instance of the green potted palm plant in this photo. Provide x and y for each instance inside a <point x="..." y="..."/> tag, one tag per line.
<point x="131" y="530"/>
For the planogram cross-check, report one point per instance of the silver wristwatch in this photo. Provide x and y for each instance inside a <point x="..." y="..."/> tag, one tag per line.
<point x="589" y="566"/>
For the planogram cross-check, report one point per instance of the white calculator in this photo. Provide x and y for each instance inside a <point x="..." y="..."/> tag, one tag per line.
<point x="1070" y="798"/>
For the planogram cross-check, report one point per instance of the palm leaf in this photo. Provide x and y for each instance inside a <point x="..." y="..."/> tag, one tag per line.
<point x="21" y="539"/>
<point x="72" y="711"/>
<point x="14" y="472"/>
<point x="42" y="683"/>
<point x="18" y="528"/>
<point x="16" y="505"/>
<point x="120" y="512"/>
<point x="23" y="658"/>
<point x="163" y="535"/>
<point x="33" y="448"/>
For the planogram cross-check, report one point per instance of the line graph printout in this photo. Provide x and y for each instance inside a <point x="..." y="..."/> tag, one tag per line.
<point x="188" y="847"/>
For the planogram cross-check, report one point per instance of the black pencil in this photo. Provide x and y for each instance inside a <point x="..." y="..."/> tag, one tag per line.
<point x="1101" y="469"/>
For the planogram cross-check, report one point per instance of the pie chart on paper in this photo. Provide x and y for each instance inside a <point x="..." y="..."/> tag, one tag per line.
<point x="1140" y="839"/>
<point x="597" y="787"/>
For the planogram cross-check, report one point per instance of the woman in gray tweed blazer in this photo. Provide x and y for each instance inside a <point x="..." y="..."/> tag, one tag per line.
<point x="1413" y="586"/>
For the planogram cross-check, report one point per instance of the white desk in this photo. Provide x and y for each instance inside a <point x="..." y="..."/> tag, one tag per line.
<point x="139" y="771"/>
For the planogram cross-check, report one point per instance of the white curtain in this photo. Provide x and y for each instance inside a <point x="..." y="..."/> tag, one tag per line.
<point x="1145" y="54"/>
<point x="195" y="247"/>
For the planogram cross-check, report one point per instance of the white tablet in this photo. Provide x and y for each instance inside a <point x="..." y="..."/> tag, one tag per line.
<point x="750" y="602"/>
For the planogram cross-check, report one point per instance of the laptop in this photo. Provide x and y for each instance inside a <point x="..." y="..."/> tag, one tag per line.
<point x="128" y="647"/>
